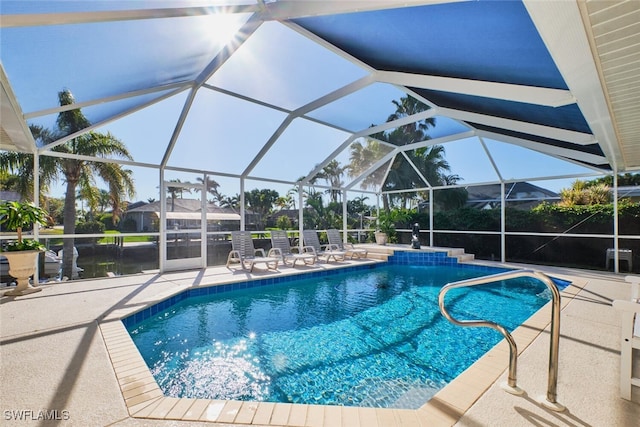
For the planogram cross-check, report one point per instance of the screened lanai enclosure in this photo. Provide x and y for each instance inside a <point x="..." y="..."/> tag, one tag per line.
<point x="486" y="122"/>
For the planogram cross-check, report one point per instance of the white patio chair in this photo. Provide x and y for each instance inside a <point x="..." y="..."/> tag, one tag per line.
<point x="351" y="251"/>
<point x="312" y="244"/>
<point x="244" y="252"/>
<point x="280" y="248"/>
<point x="630" y="335"/>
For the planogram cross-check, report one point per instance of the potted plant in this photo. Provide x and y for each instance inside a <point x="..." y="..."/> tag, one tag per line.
<point x="23" y="253"/>
<point x="386" y="225"/>
<point x="385" y="228"/>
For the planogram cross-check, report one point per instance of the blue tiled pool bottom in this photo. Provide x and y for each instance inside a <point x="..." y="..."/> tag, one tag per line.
<point x="369" y="337"/>
<point x="400" y="258"/>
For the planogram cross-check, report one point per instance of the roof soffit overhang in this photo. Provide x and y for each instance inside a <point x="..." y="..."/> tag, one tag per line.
<point x="561" y="27"/>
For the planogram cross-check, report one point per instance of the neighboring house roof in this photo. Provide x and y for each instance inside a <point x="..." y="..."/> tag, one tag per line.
<point x="188" y="209"/>
<point x="135" y="205"/>
<point x="522" y="192"/>
<point x="512" y="191"/>
<point x="629" y="191"/>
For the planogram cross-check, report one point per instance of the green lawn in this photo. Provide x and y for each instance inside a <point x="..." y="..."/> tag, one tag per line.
<point x="109" y="236"/>
<point x="127" y="239"/>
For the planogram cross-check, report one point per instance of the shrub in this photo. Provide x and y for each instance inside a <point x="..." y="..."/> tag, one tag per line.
<point x="107" y="220"/>
<point x="90" y="227"/>
<point x="283" y="222"/>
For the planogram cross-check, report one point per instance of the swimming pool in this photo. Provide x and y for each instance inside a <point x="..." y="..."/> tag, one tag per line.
<point x="370" y="337"/>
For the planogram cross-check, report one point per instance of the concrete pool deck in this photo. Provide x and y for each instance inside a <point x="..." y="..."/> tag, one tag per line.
<point x="65" y="355"/>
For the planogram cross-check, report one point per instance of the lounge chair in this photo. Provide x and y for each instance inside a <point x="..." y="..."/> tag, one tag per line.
<point x="351" y="251"/>
<point x="630" y="334"/>
<point x="244" y="252"/>
<point x="280" y="248"/>
<point x="312" y="245"/>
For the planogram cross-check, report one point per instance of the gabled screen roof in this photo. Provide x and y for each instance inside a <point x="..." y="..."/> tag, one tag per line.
<point x="245" y="88"/>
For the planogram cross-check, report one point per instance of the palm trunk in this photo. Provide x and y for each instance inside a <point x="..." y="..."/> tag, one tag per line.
<point x="69" y="228"/>
<point x="385" y="202"/>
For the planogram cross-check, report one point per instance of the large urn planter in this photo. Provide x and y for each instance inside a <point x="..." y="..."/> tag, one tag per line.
<point x="381" y="238"/>
<point x="22" y="265"/>
<point x="23" y="253"/>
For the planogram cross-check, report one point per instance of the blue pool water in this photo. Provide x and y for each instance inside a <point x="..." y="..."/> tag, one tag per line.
<point x="363" y="338"/>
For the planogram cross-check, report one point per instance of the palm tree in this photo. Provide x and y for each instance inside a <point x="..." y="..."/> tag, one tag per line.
<point x="211" y="187"/>
<point x="283" y="202"/>
<point x="175" y="191"/>
<point x="453" y="198"/>
<point x="332" y="174"/>
<point x="104" y="199"/>
<point x="290" y="196"/>
<point x="429" y="161"/>
<point x="362" y="157"/>
<point x="413" y="132"/>
<point x="230" y="201"/>
<point x="21" y="166"/>
<point x="261" y="201"/>
<point x="75" y="172"/>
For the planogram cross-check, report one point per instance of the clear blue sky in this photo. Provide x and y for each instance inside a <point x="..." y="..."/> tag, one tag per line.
<point x="276" y="65"/>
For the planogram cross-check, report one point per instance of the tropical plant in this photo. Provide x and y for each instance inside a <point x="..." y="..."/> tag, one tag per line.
<point x="283" y="202"/>
<point x="388" y="220"/>
<point x="261" y="201"/>
<point x="451" y="198"/>
<point x="104" y="199"/>
<point x="211" y="187"/>
<point x="408" y="106"/>
<point x="75" y="171"/>
<point x="599" y="194"/>
<point x="283" y="222"/>
<point x="174" y="191"/>
<point x="18" y="216"/>
<point x="414" y="168"/>
<point x="232" y="202"/>
<point x="362" y="157"/>
<point x="627" y="179"/>
<point x="319" y="216"/>
<point x="332" y="175"/>
<point x="584" y="193"/>
<point x="18" y="168"/>
<point x="290" y="197"/>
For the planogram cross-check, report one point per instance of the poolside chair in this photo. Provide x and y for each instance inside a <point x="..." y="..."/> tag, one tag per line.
<point x="312" y="245"/>
<point x="280" y="248"/>
<point x="351" y="251"/>
<point x="244" y="252"/>
<point x="630" y="337"/>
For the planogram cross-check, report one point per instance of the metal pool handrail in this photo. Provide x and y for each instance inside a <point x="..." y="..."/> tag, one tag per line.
<point x="550" y="401"/>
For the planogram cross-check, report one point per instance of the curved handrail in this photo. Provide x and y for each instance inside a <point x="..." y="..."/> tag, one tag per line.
<point x="513" y="352"/>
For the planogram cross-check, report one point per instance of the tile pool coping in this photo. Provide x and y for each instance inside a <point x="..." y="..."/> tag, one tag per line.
<point x="144" y="398"/>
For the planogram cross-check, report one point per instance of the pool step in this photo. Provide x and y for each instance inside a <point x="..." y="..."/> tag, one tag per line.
<point x="465" y="257"/>
<point x="383" y="252"/>
<point x="378" y="251"/>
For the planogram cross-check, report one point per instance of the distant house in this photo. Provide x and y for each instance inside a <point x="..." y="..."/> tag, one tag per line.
<point x="521" y="195"/>
<point x="180" y="214"/>
<point x="629" y="192"/>
<point x="10" y="196"/>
